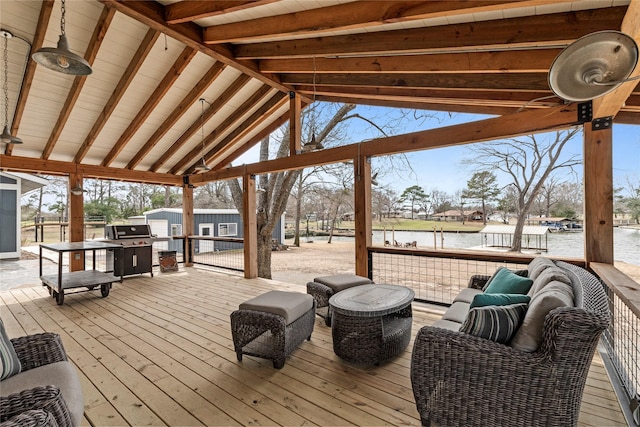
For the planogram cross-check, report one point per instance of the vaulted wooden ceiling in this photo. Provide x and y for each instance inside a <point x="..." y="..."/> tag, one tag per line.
<point x="138" y="116"/>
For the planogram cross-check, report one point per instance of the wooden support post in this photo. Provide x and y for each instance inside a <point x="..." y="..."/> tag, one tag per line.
<point x="295" y="124"/>
<point x="598" y="195"/>
<point x="188" y="228"/>
<point x="250" y="226"/>
<point x="76" y="221"/>
<point x="362" y="217"/>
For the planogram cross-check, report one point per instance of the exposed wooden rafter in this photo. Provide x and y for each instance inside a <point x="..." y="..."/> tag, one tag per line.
<point x="554" y="30"/>
<point x="38" y="39"/>
<point x="161" y="90"/>
<point x="126" y="79"/>
<point x="78" y="82"/>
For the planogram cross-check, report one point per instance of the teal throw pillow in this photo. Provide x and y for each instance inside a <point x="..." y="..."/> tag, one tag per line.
<point x="10" y="362"/>
<point x="495" y="323"/>
<point x="482" y="300"/>
<point x="507" y="282"/>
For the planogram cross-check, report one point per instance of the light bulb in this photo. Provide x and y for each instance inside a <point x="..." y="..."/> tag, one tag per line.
<point x="62" y="61"/>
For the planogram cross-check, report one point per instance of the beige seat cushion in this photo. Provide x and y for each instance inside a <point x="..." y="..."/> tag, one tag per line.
<point x="289" y="305"/>
<point x="340" y="282"/>
<point x="467" y="295"/>
<point x="61" y="374"/>
<point x="457" y="312"/>
<point x="538" y="265"/>
<point x="548" y="275"/>
<point x="554" y="295"/>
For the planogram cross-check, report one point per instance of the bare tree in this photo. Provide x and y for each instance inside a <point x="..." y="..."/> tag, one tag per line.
<point x="528" y="162"/>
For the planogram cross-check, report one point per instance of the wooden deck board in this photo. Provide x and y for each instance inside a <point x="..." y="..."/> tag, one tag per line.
<point x="158" y="351"/>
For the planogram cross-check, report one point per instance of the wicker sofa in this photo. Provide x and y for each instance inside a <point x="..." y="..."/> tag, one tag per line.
<point x="47" y="390"/>
<point x="461" y="379"/>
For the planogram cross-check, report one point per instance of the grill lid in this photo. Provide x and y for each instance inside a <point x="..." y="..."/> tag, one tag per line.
<point x="117" y="232"/>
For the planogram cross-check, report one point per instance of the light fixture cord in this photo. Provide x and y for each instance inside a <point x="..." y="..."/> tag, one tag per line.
<point x="5" y="84"/>
<point x="62" y="21"/>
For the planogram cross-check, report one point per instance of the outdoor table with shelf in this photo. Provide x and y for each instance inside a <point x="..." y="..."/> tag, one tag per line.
<point x="371" y="323"/>
<point x="57" y="283"/>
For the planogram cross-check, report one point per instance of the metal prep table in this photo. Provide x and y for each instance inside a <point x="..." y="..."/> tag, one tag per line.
<point x="90" y="279"/>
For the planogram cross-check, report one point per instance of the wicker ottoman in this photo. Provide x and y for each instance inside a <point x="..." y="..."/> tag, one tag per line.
<point x="272" y="325"/>
<point x="323" y="288"/>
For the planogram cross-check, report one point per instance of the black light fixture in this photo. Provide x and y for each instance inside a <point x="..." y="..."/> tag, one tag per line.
<point x="593" y="65"/>
<point x="202" y="165"/>
<point x="6" y="136"/>
<point x="60" y="58"/>
<point x="312" y="145"/>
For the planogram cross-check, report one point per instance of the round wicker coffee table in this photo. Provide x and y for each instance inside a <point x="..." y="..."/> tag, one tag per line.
<point x="371" y="323"/>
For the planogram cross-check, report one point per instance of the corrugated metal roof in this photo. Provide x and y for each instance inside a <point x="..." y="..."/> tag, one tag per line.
<point x="510" y="229"/>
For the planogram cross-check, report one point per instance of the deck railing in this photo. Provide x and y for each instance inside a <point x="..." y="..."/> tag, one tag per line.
<point x="220" y="252"/>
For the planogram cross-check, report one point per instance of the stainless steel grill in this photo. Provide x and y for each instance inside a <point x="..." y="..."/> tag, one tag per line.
<point x="137" y="252"/>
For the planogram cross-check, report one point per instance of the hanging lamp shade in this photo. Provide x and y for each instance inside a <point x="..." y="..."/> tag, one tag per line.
<point x="7" y="138"/>
<point x="593" y="65"/>
<point x="202" y="166"/>
<point x="62" y="60"/>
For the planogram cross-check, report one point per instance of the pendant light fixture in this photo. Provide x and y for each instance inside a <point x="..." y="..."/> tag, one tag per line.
<point x="6" y="136"/>
<point x="313" y="145"/>
<point x="60" y="58"/>
<point x="202" y="165"/>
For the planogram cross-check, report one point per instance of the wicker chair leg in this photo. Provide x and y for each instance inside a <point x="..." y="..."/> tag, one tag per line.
<point x="426" y="422"/>
<point x="278" y="363"/>
<point x="239" y="355"/>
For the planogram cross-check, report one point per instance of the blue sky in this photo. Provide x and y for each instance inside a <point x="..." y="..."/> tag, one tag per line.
<point x="443" y="169"/>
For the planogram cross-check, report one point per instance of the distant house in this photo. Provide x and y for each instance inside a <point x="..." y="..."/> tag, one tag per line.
<point x="454" y="215"/>
<point x="12" y="186"/>
<point x="167" y="222"/>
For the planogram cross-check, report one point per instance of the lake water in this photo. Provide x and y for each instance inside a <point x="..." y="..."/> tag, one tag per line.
<point x="626" y="242"/>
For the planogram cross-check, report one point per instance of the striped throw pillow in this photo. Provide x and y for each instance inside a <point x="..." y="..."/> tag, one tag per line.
<point x="10" y="362"/>
<point x="496" y="323"/>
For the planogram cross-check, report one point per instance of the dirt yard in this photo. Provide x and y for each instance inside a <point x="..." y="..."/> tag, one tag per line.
<point x="300" y="265"/>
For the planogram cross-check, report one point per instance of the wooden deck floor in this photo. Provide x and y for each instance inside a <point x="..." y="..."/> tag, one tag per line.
<point x="158" y="351"/>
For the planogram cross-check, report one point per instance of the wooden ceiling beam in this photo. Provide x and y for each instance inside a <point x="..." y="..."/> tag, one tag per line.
<point x="215" y="106"/>
<point x="553" y="30"/>
<point x="152" y="14"/>
<point x="521" y="61"/>
<point x="454" y="95"/>
<point x="492" y="81"/>
<point x="38" y="39"/>
<point x="152" y="102"/>
<point x="56" y="167"/>
<point x="230" y="121"/>
<point x="508" y="126"/>
<point x="354" y="15"/>
<point x="248" y="126"/>
<point x="78" y="82"/>
<point x="238" y="151"/>
<point x="180" y="109"/>
<point x="190" y="10"/>
<point x="127" y="77"/>
<point x="610" y="104"/>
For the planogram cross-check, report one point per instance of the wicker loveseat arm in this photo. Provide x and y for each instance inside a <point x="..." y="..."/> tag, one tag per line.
<point x="477" y="281"/>
<point x="48" y="398"/>
<point x="31" y="418"/>
<point x="39" y="349"/>
<point x="457" y="377"/>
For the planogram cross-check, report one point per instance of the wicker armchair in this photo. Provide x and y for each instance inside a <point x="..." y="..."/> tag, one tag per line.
<point x="34" y="351"/>
<point x="462" y="380"/>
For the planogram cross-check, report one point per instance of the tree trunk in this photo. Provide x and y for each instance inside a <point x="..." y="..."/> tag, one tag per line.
<point x="264" y="255"/>
<point x="296" y="239"/>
